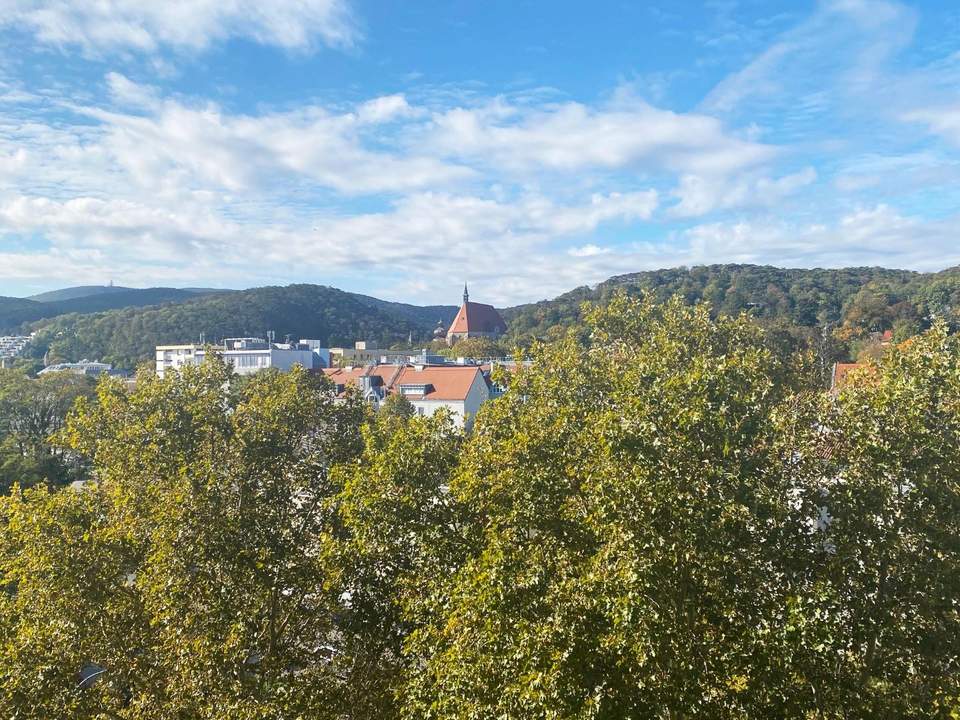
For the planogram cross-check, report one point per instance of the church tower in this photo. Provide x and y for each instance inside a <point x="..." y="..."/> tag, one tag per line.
<point x="475" y="320"/>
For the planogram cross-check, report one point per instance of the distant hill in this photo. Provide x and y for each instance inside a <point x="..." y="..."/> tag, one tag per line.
<point x="425" y="316"/>
<point x="80" y="291"/>
<point x="124" y="327"/>
<point x="870" y="297"/>
<point x="15" y="312"/>
<point x="128" y="336"/>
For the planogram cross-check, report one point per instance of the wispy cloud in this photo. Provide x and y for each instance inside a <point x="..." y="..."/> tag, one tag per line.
<point x="107" y="26"/>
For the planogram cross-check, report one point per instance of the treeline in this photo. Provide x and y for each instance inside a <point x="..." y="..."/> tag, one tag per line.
<point x="661" y="521"/>
<point x="831" y="312"/>
<point x="849" y="303"/>
<point x="15" y="312"/>
<point x="128" y="336"/>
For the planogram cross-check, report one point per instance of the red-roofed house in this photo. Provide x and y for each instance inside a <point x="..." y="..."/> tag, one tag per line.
<point x="475" y="320"/>
<point x="461" y="389"/>
<point x="373" y="380"/>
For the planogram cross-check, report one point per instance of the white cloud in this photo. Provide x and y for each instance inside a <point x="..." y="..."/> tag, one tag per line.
<point x="589" y="250"/>
<point x="99" y="26"/>
<point x="699" y="195"/>
<point x="840" y="49"/>
<point x="877" y="235"/>
<point x="161" y="144"/>
<point x="572" y="136"/>
<point x="424" y="236"/>
<point x="127" y="93"/>
<point x="943" y="121"/>
<point x="385" y="109"/>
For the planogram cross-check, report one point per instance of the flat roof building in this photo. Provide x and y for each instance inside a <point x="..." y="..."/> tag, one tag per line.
<point x="247" y="355"/>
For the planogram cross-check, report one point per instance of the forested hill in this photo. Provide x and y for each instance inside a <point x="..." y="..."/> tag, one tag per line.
<point x="14" y="312"/>
<point x="77" y="291"/>
<point x="127" y="337"/>
<point x="869" y="299"/>
<point x="851" y="302"/>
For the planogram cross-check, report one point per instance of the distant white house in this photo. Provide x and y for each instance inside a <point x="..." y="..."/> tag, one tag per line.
<point x="246" y="355"/>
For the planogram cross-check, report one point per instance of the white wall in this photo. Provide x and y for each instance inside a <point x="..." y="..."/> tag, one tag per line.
<point x="462" y="411"/>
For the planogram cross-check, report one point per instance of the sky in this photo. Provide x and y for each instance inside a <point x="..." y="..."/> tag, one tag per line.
<point x="402" y="148"/>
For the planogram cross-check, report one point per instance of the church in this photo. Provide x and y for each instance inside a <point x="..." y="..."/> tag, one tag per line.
<point x="475" y="320"/>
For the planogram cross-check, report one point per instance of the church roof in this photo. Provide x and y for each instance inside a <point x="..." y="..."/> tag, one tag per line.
<point x="477" y="317"/>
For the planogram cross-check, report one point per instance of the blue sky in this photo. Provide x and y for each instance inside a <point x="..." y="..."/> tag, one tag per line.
<point x="400" y="148"/>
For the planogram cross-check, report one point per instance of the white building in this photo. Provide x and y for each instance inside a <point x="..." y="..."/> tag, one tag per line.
<point x="12" y="345"/>
<point x="246" y="355"/>
<point x="84" y="367"/>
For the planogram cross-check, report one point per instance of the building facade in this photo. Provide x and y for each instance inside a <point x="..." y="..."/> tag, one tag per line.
<point x="247" y="355"/>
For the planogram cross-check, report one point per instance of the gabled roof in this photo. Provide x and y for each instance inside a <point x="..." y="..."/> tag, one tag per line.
<point x="478" y="318"/>
<point x="441" y="383"/>
<point x="351" y="376"/>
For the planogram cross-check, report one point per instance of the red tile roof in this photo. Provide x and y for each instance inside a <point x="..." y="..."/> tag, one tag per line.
<point x="444" y="383"/>
<point x="344" y="376"/>
<point x="479" y="318"/>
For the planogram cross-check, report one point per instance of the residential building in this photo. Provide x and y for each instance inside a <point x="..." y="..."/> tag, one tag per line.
<point x="84" y="367"/>
<point x="247" y="355"/>
<point x="461" y="389"/>
<point x="12" y="345"/>
<point x="373" y="381"/>
<point x="841" y="374"/>
<point x="475" y="320"/>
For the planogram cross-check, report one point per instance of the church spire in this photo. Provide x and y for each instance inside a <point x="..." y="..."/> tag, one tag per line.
<point x="466" y="295"/>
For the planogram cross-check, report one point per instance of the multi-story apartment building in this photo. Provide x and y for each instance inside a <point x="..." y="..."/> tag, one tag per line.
<point x="12" y="345"/>
<point x="247" y="355"/>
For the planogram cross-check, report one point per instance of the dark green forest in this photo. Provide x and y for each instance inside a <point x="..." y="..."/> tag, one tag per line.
<point x="866" y="299"/>
<point x="15" y="312"/>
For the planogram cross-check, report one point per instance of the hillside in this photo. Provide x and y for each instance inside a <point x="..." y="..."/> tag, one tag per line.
<point x="128" y="336"/>
<point x="78" y="291"/>
<point x="871" y="299"/>
<point x="15" y="312"/>
<point x="426" y="316"/>
<point x="850" y="302"/>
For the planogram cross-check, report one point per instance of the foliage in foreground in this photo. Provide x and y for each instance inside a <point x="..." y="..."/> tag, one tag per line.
<point x="32" y="410"/>
<point x="661" y="524"/>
